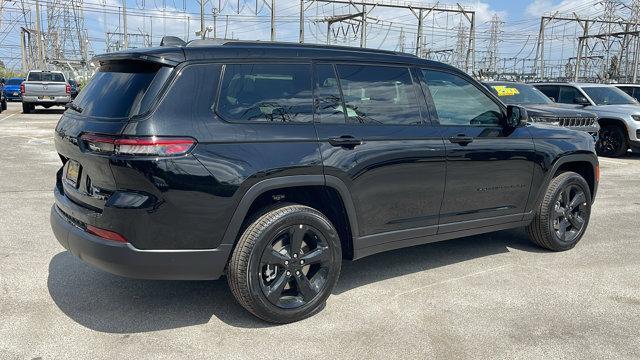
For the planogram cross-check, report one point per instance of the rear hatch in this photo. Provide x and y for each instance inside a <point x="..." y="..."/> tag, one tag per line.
<point x="44" y="83"/>
<point x="120" y="90"/>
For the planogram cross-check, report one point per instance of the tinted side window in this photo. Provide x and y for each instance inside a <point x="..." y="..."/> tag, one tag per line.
<point x="459" y="102"/>
<point x="378" y="94"/>
<point x="626" y="89"/>
<point x="549" y="90"/>
<point x="328" y="102"/>
<point x="567" y="94"/>
<point x="266" y="93"/>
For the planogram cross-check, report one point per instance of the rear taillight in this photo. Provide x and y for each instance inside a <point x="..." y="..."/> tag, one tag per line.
<point x="106" y="234"/>
<point x="22" y="88"/>
<point x="68" y="89"/>
<point x="137" y="146"/>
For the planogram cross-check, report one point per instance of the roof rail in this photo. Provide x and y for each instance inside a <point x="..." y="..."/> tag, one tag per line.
<point x="226" y="42"/>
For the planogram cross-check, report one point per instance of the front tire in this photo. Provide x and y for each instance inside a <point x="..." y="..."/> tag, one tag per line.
<point x="612" y="141"/>
<point x="563" y="215"/>
<point x="285" y="264"/>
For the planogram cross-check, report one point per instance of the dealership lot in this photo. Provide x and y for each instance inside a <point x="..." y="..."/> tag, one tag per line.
<point x="487" y="296"/>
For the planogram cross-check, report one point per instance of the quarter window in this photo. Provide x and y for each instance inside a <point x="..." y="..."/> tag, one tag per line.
<point x="459" y="102"/>
<point x="266" y="93"/>
<point x="378" y="94"/>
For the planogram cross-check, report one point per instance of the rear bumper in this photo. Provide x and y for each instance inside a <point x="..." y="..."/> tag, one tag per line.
<point x="46" y="99"/>
<point x="9" y="95"/>
<point x="125" y="260"/>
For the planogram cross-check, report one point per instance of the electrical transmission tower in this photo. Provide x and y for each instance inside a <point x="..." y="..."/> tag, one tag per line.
<point x="491" y="59"/>
<point x="461" y="46"/>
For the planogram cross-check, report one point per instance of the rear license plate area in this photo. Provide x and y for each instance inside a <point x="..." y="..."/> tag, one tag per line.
<point x="72" y="175"/>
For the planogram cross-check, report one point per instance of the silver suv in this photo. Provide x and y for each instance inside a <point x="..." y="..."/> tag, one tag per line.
<point x="618" y="113"/>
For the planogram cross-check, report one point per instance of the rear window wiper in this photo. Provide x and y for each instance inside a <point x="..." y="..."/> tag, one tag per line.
<point x="74" y="107"/>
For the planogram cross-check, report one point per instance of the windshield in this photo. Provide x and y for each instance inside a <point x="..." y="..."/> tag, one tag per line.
<point x="608" y="95"/>
<point x="14" y="81"/>
<point x="46" y="76"/>
<point x="511" y="93"/>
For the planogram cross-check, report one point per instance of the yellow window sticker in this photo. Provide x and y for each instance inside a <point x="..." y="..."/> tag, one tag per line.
<point x="506" y="91"/>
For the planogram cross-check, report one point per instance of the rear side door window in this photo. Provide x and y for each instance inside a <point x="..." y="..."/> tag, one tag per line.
<point x="550" y="90"/>
<point x="266" y="93"/>
<point x="568" y="94"/>
<point x="458" y="102"/>
<point x="375" y="94"/>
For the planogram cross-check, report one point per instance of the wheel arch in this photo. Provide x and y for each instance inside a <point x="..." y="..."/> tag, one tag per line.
<point x="327" y="194"/>
<point x="584" y="164"/>
<point x="604" y="121"/>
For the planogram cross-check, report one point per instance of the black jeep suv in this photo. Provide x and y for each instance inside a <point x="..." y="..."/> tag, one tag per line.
<point x="272" y="162"/>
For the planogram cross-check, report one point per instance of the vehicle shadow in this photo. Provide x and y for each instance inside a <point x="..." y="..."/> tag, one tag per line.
<point x="109" y="303"/>
<point x="57" y="110"/>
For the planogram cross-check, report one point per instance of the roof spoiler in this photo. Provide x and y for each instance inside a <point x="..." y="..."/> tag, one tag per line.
<point x="172" y="41"/>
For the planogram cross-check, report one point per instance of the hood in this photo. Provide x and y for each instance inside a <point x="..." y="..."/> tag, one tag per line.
<point x="552" y="110"/>
<point x="615" y="109"/>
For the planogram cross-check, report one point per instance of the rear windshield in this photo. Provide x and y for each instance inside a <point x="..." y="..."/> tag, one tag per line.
<point x="14" y="81"/>
<point x="46" y="76"/>
<point x="121" y="90"/>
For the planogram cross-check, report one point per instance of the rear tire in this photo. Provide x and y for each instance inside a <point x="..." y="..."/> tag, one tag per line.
<point x="26" y="108"/>
<point x="4" y="105"/>
<point x="563" y="215"/>
<point x="285" y="264"/>
<point x="612" y="141"/>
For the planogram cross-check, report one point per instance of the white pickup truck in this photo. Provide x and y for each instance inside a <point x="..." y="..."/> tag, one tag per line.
<point x="44" y="88"/>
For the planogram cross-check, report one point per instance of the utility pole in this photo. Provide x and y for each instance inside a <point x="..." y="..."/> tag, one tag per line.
<point x="301" y="35"/>
<point x="41" y="62"/>
<point x="215" y="22"/>
<point x="363" y="31"/>
<point x="202" y="29"/>
<point x="273" y="20"/>
<point x="419" y="35"/>
<point x="124" y="24"/>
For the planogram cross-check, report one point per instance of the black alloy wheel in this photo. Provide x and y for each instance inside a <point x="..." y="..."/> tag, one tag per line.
<point x="285" y="263"/>
<point x="563" y="215"/>
<point x="569" y="213"/>
<point x="294" y="266"/>
<point x="611" y="141"/>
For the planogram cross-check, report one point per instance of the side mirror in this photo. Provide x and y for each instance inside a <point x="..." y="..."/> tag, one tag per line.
<point x="516" y="115"/>
<point x="581" y="100"/>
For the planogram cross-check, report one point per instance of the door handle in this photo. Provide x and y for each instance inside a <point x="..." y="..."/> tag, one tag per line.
<point x="461" y="139"/>
<point x="345" y="141"/>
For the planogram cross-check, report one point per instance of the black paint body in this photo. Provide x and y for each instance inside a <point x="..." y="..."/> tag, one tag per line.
<point x="404" y="185"/>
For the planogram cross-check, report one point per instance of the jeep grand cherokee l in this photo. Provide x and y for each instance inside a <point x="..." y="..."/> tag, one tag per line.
<point x="543" y="110"/>
<point x="272" y="162"/>
<point x="618" y="113"/>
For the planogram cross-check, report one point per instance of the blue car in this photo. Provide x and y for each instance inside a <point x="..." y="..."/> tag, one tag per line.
<point x="12" y="89"/>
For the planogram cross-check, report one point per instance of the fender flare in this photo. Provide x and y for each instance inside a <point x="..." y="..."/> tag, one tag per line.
<point x="585" y="157"/>
<point x="259" y="188"/>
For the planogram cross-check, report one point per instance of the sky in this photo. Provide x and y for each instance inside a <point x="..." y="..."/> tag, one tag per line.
<point x="391" y="29"/>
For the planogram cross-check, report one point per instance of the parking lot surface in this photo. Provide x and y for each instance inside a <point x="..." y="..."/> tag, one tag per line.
<point x="492" y="296"/>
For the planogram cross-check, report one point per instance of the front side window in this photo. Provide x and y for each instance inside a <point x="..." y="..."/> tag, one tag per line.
<point x="266" y="93"/>
<point x="459" y="102"/>
<point x="608" y="95"/>
<point x="378" y="95"/>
